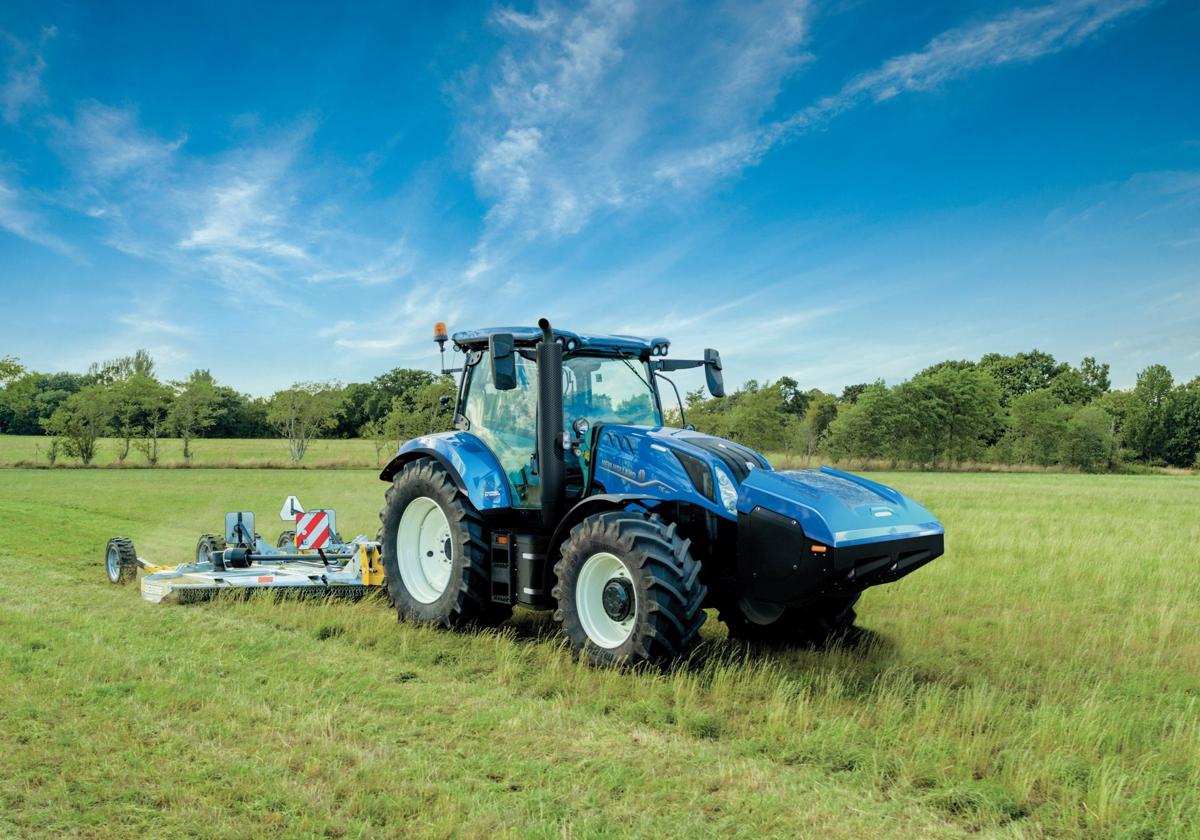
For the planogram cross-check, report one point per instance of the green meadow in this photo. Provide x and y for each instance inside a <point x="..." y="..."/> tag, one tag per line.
<point x="1042" y="679"/>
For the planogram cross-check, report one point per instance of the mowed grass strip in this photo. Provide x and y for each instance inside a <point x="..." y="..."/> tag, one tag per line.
<point x="1039" y="680"/>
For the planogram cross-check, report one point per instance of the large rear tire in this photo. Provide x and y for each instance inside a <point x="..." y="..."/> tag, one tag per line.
<point x="435" y="551"/>
<point x="286" y="539"/>
<point x="811" y="625"/>
<point x="120" y="560"/>
<point x="628" y="590"/>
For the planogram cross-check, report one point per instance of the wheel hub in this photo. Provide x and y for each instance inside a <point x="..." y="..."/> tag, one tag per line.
<point x="617" y="599"/>
<point x="424" y="551"/>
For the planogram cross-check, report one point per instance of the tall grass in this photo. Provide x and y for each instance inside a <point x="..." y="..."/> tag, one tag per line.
<point x="1040" y="680"/>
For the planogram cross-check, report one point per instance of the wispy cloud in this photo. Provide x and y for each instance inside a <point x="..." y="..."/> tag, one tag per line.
<point x="107" y="143"/>
<point x="22" y="87"/>
<point x="1017" y="36"/>
<point x="19" y="219"/>
<point x="573" y="124"/>
<point x="242" y="222"/>
<point x="573" y="111"/>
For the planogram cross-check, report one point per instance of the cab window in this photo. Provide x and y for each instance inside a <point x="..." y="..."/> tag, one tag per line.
<point x="506" y="421"/>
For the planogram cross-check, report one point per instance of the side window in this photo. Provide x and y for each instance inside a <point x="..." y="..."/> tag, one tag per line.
<point x="506" y="421"/>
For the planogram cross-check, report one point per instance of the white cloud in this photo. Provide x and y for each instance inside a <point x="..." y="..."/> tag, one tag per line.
<point x="18" y="219"/>
<point x="243" y="220"/>
<point x="1017" y="36"/>
<point x="573" y="115"/>
<point x="1021" y="35"/>
<point x="106" y="143"/>
<point x="22" y="87"/>
<point x="512" y="19"/>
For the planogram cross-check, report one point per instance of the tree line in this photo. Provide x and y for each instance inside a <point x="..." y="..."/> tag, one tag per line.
<point x="1026" y="408"/>
<point x="125" y="399"/>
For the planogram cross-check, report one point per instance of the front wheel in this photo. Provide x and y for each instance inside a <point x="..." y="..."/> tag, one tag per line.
<point x="628" y="590"/>
<point x="813" y="624"/>
<point x="435" y="552"/>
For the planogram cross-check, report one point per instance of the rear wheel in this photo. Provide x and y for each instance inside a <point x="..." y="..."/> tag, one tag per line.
<point x="628" y="590"/>
<point x="812" y="624"/>
<point x="286" y="539"/>
<point x="120" y="560"/>
<point x="435" y="551"/>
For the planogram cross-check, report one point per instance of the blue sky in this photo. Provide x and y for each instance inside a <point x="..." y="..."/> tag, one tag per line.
<point x="837" y="190"/>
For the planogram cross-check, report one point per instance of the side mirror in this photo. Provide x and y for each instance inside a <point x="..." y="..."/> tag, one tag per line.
<point x="712" y="372"/>
<point x="446" y="403"/>
<point x="504" y="361"/>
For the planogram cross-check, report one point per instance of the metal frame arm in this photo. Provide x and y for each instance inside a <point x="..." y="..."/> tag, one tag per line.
<point x="677" y="364"/>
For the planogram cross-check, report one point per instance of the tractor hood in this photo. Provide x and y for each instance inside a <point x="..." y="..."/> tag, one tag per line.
<point x="835" y="507"/>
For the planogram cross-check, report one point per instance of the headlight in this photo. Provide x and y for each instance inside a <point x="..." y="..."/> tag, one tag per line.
<point x="729" y="493"/>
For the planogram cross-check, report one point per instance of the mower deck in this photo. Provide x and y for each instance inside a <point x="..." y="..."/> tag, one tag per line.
<point x="194" y="582"/>
<point x="308" y="561"/>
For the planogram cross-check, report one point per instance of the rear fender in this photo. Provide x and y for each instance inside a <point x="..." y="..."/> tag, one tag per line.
<point x="471" y="465"/>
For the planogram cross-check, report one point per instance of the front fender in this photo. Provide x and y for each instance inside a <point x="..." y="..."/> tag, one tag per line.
<point x="472" y="466"/>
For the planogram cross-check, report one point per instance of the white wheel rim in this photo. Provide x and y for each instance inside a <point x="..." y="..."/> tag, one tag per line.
<point x="599" y="626"/>
<point x="760" y="612"/>
<point x="113" y="561"/>
<point x="423" y="550"/>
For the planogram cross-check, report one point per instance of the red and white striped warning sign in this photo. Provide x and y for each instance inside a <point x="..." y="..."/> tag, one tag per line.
<point x="312" y="529"/>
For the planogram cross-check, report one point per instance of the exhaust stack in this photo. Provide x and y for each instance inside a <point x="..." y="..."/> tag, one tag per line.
<point x="551" y="466"/>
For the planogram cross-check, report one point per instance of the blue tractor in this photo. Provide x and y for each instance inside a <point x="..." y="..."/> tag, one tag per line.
<point x="563" y="489"/>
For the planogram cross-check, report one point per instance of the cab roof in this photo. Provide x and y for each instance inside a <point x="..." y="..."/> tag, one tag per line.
<point x="528" y="336"/>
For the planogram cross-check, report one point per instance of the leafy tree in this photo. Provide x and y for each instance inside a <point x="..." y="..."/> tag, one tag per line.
<point x="139" y="407"/>
<point x="758" y="419"/>
<point x="353" y="413"/>
<point x="10" y="369"/>
<point x="866" y="427"/>
<point x="1118" y="405"/>
<point x="795" y="401"/>
<point x="1088" y="442"/>
<point x="397" y="382"/>
<point x="1183" y="446"/>
<point x="418" y="411"/>
<point x="1069" y="388"/>
<point x="32" y="398"/>
<point x="376" y="431"/>
<point x="1022" y="373"/>
<point x="1095" y="376"/>
<point x="1147" y="426"/>
<point x="195" y="409"/>
<point x="302" y="412"/>
<point x="154" y="402"/>
<point x="953" y="364"/>
<point x="822" y="410"/>
<point x="947" y="414"/>
<point x="141" y="363"/>
<point x="851" y="393"/>
<point x="80" y="421"/>
<point x="1038" y="425"/>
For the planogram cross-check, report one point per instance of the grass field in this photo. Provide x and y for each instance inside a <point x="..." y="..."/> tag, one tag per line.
<point x="1040" y="680"/>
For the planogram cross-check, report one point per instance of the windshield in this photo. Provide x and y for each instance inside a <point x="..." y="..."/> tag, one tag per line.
<point x="608" y="390"/>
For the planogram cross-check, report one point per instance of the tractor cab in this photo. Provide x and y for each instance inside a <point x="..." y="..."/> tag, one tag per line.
<point x="605" y="379"/>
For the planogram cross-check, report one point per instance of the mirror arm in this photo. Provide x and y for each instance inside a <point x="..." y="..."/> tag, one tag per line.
<point x="676" y="364"/>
